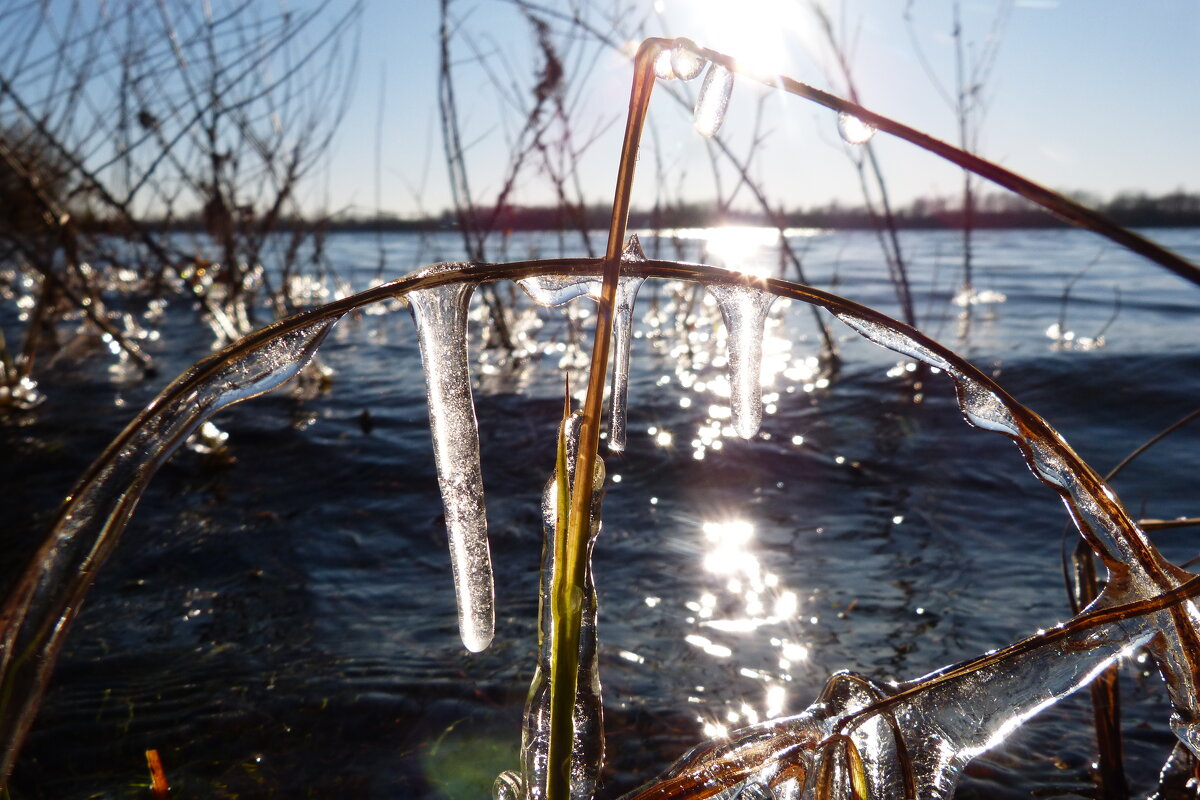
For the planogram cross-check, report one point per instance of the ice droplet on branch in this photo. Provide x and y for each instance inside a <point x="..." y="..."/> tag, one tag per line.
<point x="685" y="63"/>
<point x="983" y="408"/>
<point x="853" y="130"/>
<point x="744" y="311"/>
<point x="662" y="66"/>
<point x="440" y="314"/>
<point x="713" y="100"/>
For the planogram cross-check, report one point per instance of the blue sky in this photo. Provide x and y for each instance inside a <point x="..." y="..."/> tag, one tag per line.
<point x="1095" y="95"/>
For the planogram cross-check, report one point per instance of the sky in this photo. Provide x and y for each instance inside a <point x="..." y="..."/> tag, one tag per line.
<point x="1101" y="96"/>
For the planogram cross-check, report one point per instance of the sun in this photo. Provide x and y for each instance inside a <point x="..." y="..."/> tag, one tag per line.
<point x="754" y="32"/>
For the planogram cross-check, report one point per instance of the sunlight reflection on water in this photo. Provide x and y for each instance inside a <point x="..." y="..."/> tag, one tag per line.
<point x="739" y="598"/>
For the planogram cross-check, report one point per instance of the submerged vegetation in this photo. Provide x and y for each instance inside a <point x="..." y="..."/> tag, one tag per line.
<point x="861" y="738"/>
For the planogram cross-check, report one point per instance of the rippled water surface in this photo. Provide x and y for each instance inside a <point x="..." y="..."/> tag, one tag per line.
<point x="284" y="626"/>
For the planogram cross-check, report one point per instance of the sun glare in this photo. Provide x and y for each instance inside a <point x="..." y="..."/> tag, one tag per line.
<point x="752" y="31"/>
<point x="741" y="247"/>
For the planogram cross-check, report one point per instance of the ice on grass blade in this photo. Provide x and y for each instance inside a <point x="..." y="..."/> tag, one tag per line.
<point x="744" y="310"/>
<point x="587" y="718"/>
<point x="440" y="314"/>
<point x="663" y="69"/>
<point x="46" y="598"/>
<point x="685" y="62"/>
<point x="892" y="339"/>
<point x="713" y="100"/>
<point x="853" y="130"/>
<point x="865" y="739"/>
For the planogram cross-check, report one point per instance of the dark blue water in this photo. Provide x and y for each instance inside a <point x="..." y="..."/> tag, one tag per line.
<point x="282" y="624"/>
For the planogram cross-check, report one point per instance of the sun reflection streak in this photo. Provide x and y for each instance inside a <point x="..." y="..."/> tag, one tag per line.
<point x="742" y="599"/>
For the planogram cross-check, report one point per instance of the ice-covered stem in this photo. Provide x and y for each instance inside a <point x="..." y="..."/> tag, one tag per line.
<point x="866" y="739"/>
<point x="49" y="594"/>
<point x="966" y="710"/>
<point x="563" y="681"/>
<point x="587" y="746"/>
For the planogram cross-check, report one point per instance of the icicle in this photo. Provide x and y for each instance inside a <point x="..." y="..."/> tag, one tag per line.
<point x="713" y="100"/>
<point x="587" y="746"/>
<point x="627" y="289"/>
<point x="440" y="314"/>
<point x="745" y="313"/>
<point x="685" y="63"/>
<point x="557" y="290"/>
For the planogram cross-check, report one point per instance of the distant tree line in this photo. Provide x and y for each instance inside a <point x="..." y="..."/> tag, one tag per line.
<point x="999" y="210"/>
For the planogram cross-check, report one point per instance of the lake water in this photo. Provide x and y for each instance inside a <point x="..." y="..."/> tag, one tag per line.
<point x="284" y="626"/>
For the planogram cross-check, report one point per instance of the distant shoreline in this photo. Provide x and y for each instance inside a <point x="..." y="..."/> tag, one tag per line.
<point x="1036" y="221"/>
<point x="991" y="212"/>
<point x="843" y="222"/>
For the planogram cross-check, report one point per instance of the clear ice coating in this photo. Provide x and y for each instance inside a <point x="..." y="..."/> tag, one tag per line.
<point x="440" y="314"/>
<point x="983" y="407"/>
<point x="744" y="311"/>
<point x="685" y="63"/>
<point x="663" y="68"/>
<point x="713" y="100"/>
<point x="1122" y="542"/>
<point x="892" y="339"/>
<point x="911" y="739"/>
<point x="587" y="746"/>
<point x="864" y="739"/>
<point x="853" y="130"/>
<point x="48" y="595"/>
<point x="557" y="290"/>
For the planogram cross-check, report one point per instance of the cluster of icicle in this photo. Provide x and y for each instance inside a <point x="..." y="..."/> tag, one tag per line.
<point x="441" y="318"/>
<point x="925" y="730"/>
<point x="860" y="738"/>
